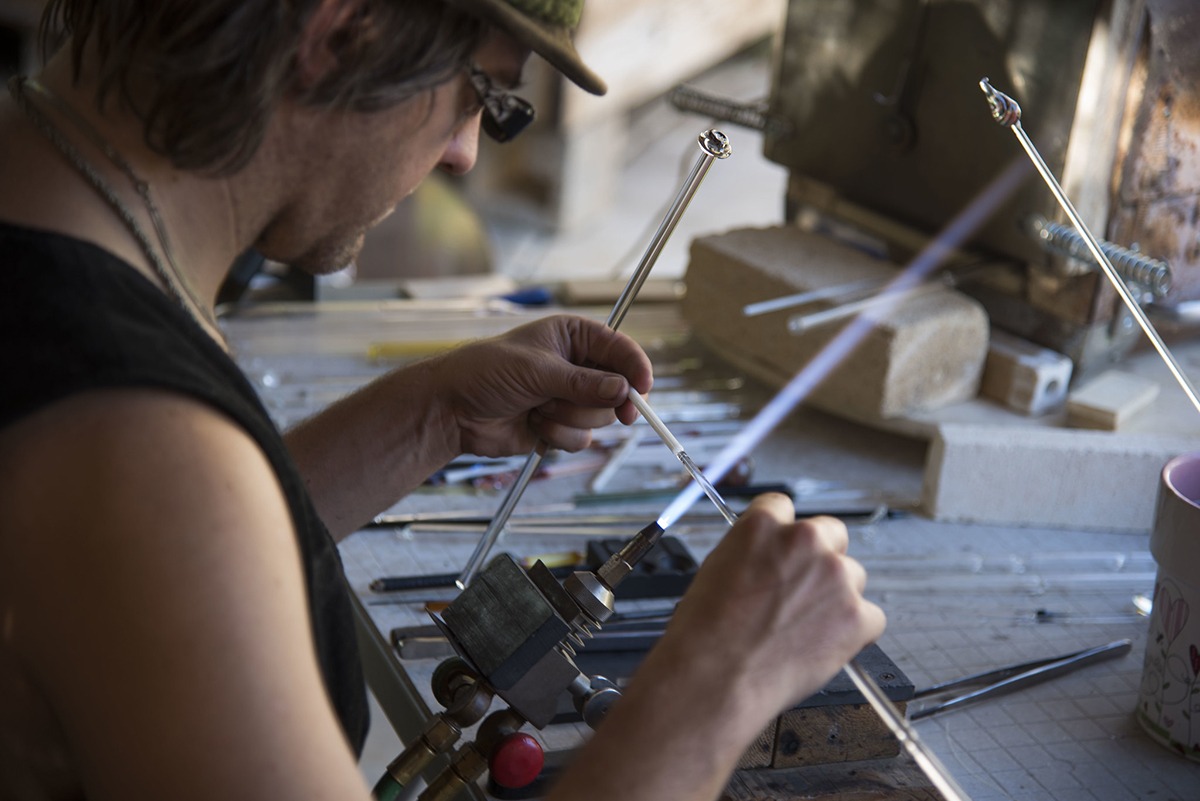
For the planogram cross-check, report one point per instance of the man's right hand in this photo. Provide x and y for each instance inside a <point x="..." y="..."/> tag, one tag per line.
<point x="775" y="611"/>
<point x="779" y="604"/>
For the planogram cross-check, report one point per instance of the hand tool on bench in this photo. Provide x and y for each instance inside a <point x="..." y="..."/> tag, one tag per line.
<point x="989" y="684"/>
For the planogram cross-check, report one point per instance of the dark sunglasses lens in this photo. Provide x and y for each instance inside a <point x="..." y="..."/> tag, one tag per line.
<point x="515" y="117"/>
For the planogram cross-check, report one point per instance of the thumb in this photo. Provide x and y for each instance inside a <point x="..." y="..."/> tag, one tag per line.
<point x="589" y="387"/>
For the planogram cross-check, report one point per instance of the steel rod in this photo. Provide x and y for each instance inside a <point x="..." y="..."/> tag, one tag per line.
<point x="676" y="447"/>
<point x="906" y="734"/>
<point x="801" y="323"/>
<point x="1007" y="113"/>
<point x="713" y="145"/>
<point x="802" y="298"/>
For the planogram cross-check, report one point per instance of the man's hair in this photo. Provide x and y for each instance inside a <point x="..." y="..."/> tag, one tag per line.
<point x="205" y="75"/>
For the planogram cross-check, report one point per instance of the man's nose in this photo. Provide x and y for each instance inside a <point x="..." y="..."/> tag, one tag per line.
<point x="460" y="154"/>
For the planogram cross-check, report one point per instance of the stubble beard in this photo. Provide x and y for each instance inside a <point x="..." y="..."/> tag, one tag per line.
<point x="328" y="257"/>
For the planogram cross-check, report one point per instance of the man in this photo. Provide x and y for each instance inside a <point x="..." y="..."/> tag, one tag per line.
<point x="172" y="613"/>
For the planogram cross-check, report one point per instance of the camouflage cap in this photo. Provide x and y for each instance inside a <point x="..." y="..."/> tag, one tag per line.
<point x="545" y="27"/>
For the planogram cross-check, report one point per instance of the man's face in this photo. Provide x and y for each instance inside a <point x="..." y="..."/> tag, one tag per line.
<point x="363" y="164"/>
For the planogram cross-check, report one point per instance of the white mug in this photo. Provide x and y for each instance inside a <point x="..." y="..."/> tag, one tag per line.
<point x="1169" y="700"/>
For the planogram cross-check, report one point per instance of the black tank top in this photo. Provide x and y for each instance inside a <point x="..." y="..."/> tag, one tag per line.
<point x="74" y="318"/>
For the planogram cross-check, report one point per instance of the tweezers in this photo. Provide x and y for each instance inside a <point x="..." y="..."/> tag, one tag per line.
<point x="1007" y="679"/>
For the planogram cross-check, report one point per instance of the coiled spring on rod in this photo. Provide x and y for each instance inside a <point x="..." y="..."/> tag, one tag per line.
<point x="1138" y="268"/>
<point x="749" y="115"/>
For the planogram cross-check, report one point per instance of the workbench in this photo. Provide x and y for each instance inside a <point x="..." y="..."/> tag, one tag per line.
<point x="960" y="599"/>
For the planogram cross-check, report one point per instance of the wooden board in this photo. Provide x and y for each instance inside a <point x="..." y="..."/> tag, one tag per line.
<point x="1110" y="400"/>
<point x="896" y="779"/>
<point x="825" y="734"/>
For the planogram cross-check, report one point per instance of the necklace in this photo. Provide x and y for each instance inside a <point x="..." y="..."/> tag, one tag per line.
<point x="168" y="272"/>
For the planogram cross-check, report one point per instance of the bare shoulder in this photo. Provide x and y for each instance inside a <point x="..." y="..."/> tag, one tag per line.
<point x="132" y="460"/>
<point x="153" y="589"/>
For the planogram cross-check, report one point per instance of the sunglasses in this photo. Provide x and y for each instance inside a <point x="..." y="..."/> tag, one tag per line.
<point x="504" y="114"/>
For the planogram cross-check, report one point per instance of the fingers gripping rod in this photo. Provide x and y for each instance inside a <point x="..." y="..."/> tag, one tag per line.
<point x="621" y="563"/>
<point x="714" y="145"/>
<point x="1007" y="113"/>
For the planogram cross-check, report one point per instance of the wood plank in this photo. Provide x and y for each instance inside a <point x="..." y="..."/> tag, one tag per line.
<point x="1110" y="400"/>
<point x="824" y="734"/>
<point x="897" y="779"/>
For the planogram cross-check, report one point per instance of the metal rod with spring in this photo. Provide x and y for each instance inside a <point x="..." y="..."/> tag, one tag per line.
<point x="1154" y="274"/>
<point x="1007" y="113"/>
<point x="714" y="145"/>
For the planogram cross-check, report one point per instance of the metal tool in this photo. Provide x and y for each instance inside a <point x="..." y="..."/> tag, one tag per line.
<point x="516" y="632"/>
<point x="1007" y="113"/>
<point x="981" y="686"/>
<point x="429" y="581"/>
<point x="1154" y="274"/>
<point x="428" y="642"/>
<point x="714" y="145"/>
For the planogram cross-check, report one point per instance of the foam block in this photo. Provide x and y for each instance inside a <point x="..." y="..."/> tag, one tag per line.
<point x="1023" y="376"/>
<point x="1050" y="477"/>
<point x="924" y="352"/>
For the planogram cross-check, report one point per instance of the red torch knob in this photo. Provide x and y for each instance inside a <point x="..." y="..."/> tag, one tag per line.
<point x="516" y="761"/>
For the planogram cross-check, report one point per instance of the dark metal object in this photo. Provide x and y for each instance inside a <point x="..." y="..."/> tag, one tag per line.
<point x="516" y="628"/>
<point x="436" y="580"/>
<point x="665" y="571"/>
<point x="1008" y="679"/>
<point x="466" y="702"/>
<point x="434" y="645"/>
<point x="622" y="563"/>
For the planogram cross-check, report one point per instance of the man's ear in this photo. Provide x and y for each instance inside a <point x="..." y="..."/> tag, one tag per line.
<point x="317" y="53"/>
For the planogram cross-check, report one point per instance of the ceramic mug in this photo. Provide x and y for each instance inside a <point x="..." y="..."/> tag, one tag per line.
<point x="1169" y="699"/>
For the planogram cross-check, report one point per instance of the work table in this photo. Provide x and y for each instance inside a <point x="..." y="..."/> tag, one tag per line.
<point x="960" y="598"/>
